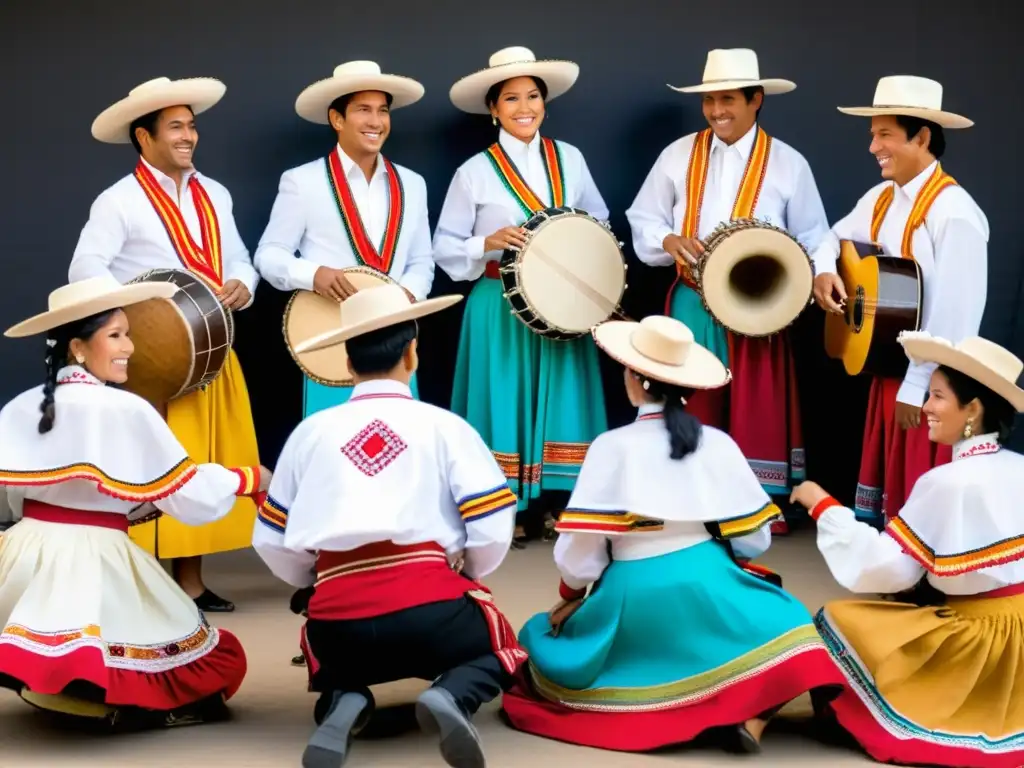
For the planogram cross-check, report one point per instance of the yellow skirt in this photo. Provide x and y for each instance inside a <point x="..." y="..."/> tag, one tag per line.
<point x="932" y="686"/>
<point x="215" y="425"/>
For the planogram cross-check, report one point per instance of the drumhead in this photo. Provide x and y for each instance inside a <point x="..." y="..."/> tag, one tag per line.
<point x="572" y="272"/>
<point x="309" y="314"/>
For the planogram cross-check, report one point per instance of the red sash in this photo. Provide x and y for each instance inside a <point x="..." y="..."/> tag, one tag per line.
<point x="937" y="182"/>
<point x="528" y="200"/>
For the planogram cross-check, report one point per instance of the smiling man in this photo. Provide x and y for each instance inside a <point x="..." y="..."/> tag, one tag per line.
<point x="917" y="212"/>
<point x="353" y="208"/>
<point x="166" y="215"/>
<point x="733" y="170"/>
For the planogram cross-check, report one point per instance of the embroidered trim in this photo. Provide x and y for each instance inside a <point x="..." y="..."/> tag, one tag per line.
<point x="611" y="523"/>
<point x="746" y="524"/>
<point x="976" y="449"/>
<point x="566" y="454"/>
<point x="374" y="448"/>
<point x="480" y="505"/>
<point x="248" y="480"/>
<point x="999" y="553"/>
<point x="930" y="190"/>
<point x="651" y="416"/>
<point x="504" y="642"/>
<point x="425" y="555"/>
<point x="381" y="396"/>
<point x="516" y="185"/>
<point x="273" y="514"/>
<point x="78" y="377"/>
<point x="156" y="489"/>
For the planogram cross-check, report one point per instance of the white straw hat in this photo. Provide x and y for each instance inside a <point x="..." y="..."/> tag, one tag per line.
<point x="198" y="93"/>
<point x="727" y="69"/>
<point x="911" y="96"/>
<point x="79" y="300"/>
<point x="469" y="93"/>
<point x="353" y="77"/>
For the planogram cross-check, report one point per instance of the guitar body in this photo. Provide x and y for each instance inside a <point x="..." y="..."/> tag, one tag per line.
<point x="885" y="296"/>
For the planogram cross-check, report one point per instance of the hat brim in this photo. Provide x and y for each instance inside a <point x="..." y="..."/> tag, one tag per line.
<point x="469" y="93"/>
<point x="344" y="333"/>
<point x="949" y="120"/>
<point x="199" y="93"/>
<point x="122" y="297"/>
<point x="313" y="103"/>
<point x="931" y="350"/>
<point x="773" y="86"/>
<point x="702" y="370"/>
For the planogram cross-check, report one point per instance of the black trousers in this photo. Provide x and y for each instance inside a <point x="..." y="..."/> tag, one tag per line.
<point x="446" y="642"/>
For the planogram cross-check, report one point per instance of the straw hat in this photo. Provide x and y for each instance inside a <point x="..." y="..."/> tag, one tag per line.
<point x="984" y="361"/>
<point x="199" y="93"/>
<point x="662" y="348"/>
<point x="353" y="77"/>
<point x="911" y="96"/>
<point x="77" y="301"/>
<point x="468" y="94"/>
<point x="372" y="309"/>
<point x="727" y="69"/>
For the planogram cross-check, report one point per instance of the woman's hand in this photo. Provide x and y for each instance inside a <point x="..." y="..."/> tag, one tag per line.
<point x="457" y="561"/>
<point x="265" y="477"/>
<point x="808" y="494"/>
<point x="506" y="237"/>
<point x="558" y="615"/>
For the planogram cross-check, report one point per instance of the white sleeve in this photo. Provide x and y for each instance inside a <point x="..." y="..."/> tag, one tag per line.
<point x="209" y="494"/>
<point x="419" y="268"/>
<point x="805" y="213"/>
<point x="590" y="199"/>
<point x="484" y="500"/>
<point x="100" y="241"/>
<point x="581" y="558"/>
<point x="275" y="255"/>
<point x="237" y="264"/>
<point x="457" y="250"/>
<point x="650" y="216"/>
<point x="855" y="226"/>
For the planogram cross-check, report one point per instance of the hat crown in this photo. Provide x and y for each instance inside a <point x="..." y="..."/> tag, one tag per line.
<point x="150" y="85"/>
<point x="81" y="291"/>
<point x="908" y="91"/>
<point x="996" y="358"/>
<point x="515" y="54"/>
<point x="731" y="64"/>
<point x="372" y="303"/>
<point x="663" y="340"/>
<point x="361" y="68"/>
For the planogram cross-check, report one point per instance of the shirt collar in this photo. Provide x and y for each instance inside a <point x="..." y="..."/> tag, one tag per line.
<point x="649" y="409"/>
<point x="354" y="171"/>
<point x="166" y="181"/>
<point x="913" y="186"/>
<point x="514" y="146"/>
<point x="976" y="446"/>
<point x="76" y="374"/>
<point x="381" y="388"/>
<point x="743" y="145"/>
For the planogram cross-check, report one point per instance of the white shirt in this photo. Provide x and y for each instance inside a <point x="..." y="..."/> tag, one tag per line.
<point x="789" y="196"/>
<point x="959" y="517"/>
<point x="630" y="468"/>
<point x="478" y="204"/>
<point x="951" y="247"/>
<point x="424" y="476"/>
<point x="306" y="218"/>
<point x="125" y="237"/>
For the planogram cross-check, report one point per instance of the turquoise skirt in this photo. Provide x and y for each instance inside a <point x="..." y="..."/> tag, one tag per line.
<point x="537" y="403"/>
<point x="687" y="307"/>
<point x="317" y="397"/>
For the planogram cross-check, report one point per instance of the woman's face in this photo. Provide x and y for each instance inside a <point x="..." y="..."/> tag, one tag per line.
<point x="520" y="108"/>
<point x="105" y="354"/>
<point x="947" y="418"/>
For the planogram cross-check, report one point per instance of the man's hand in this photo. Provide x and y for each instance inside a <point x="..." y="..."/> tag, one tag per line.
<point x="826" y="287"/>
<point x="684" y="250"/>
<point x="332" y="284"/>
<point x="234" y="294"/>
<point x="908" y="416"/>
<point x="412" y="298"/>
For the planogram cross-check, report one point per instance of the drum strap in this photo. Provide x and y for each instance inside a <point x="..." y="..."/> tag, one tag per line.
<point x="930" y="190"/>
<point x="516" y="185"/>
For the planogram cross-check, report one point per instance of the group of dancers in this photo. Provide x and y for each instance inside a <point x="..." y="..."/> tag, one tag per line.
<point x="664" y="515"/>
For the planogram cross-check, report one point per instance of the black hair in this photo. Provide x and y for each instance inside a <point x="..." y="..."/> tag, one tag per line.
<point x="913" y="125"/>
<point x="684" y="429"/>
<point x="58" y="349"/>
<point x="379" y="351"/>
<point x="495" y="91"/>
<point x="748" y="94"/>
<point x="147" y="123"/>
<point x="998" y="415"/>
<point x="340" y="104"/>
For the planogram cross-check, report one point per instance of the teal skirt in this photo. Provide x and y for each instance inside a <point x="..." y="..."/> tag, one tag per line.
<point x="687" y="307"/>
<point x="537" y="403"/>
<point x="317" y="397"/>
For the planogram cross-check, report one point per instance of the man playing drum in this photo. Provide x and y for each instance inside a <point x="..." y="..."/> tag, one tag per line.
<point x="917" y="212"/>
<point x="733" y="170"/>
<point x="165" y="215"/>
<point x="354" y="208"/>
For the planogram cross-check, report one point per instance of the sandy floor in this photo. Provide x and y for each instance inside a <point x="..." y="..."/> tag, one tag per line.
<point x="272" y="712"/>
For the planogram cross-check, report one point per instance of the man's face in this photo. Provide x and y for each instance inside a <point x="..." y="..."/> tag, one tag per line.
<point x="729" y="113"/>
<point x="366" y="124"/>
<point x="174" y="141"/>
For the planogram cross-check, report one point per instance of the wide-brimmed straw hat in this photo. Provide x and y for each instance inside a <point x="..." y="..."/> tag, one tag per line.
<point x="372" y="309"/>
<point x="984" y="361"/>
<point x="911" y="96"/>
<point x="198" y="93"/>
<point x="77" y="301"/>
<point x="662" y="348"/>
<point x="470" y="92"/>
<point x="727" y="69"/>
<point x="353" y="77"/>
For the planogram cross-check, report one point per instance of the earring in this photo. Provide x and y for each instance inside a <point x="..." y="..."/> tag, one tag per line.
<point x="494" y="120"/>
<point x="969" y="429"/>
<point x="80" y="359"/>
<point x="646" y="385"/>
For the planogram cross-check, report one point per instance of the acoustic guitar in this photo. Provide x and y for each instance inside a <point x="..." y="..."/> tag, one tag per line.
<point x="884" y="297"/>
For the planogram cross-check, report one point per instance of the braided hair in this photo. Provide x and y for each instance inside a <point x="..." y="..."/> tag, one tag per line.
<point x="684" y="429"/>
<point x="58" y="351"/>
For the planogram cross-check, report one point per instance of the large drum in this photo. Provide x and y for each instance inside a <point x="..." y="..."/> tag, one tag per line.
<point x="309" y="314"/>
<point x="181" y="343"/>
<point x="569" y="277"/>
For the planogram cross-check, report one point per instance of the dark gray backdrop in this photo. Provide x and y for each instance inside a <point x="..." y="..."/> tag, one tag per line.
<point x="63" y="62"/>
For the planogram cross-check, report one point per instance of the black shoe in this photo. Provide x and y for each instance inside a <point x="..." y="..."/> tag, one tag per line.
<point x="208" y="602"/>
<point x="439" y="714"/>
<point x="299" y="661"/>
<point x="329" y="745"/>
<point x="738" y="740"/>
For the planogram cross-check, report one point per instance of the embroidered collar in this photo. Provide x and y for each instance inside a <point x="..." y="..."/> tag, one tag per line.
<point x="649" y="411"/>
<point x="380" y="388"/>
<point x="76" y="374"/>
<point x="976" y="446"/>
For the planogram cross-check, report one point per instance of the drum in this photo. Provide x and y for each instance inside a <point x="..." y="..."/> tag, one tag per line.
<point x="569" y="277"/>
<point x="309" y="314"/>
<point x="181" y="343"/>
<point x="753" y="278"/>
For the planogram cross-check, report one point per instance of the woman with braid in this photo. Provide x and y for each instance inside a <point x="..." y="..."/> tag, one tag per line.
<point x="93" y="627"/>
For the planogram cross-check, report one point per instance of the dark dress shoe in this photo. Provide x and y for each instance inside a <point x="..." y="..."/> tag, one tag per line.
<point x="208" y="602"/>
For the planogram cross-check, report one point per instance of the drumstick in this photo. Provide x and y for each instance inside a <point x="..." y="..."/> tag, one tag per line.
<point x="584" y="288"/>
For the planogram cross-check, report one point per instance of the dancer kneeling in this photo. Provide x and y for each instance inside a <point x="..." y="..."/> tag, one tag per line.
<point x="376" y="502"/>
<point x="92" y="625"/>
<point x="678" y="635"/>
<point x="938" y="679"/>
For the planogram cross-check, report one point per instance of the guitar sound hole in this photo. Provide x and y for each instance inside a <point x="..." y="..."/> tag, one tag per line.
<point x="858" y="309"/>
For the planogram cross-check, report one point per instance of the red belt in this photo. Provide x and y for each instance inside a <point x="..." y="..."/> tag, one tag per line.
<point x="377" y="556"/>
<point x="48" y="513"/>
<point x="491" y="270"/>
<point x="1011" y="591"/>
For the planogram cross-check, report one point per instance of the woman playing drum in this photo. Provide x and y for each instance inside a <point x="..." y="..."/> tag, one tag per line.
<point x="92" y="624"/>
<point x="537" y="403"/>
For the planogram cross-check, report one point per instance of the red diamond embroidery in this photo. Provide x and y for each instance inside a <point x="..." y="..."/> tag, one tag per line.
<point x="374" y="448"/>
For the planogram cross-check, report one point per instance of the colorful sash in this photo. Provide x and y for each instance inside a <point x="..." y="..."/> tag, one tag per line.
<point x="375" y="258"/>
<point x="204" y="262"/>
<point x="938" y="181"/>
<point x="697" y="177"/>
<point x="517" y="186"/>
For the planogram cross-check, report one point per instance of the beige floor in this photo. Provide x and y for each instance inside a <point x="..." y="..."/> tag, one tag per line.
<point x="272" y="711"/>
